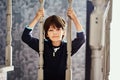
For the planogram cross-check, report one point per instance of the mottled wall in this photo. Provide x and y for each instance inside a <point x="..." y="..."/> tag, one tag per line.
<point x="25" y="60"/>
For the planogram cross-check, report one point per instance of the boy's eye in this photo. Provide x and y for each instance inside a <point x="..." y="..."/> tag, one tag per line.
<point x="50" y="30"/>
<point x="58" y="29"/>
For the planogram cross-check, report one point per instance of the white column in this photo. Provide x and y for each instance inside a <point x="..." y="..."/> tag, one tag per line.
<point x="97" y="37"/>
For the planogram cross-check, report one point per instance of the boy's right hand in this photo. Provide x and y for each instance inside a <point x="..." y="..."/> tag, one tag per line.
<point x="38" y="15"/>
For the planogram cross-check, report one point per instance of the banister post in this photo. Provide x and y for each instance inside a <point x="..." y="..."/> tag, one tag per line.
<point x="41" y="45"/>
<point x="69" y="71"/>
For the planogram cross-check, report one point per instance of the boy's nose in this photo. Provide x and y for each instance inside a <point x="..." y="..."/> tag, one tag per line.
<point x="55" y="31"/>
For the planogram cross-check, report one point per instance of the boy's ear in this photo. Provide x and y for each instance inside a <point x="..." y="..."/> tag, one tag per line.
<point x="64" y="32"/>
<point x="47" y="35"/>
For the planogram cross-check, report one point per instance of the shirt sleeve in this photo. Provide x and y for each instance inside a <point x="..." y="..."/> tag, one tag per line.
<point x="28" y="27"/>
<point x="29" y="40"/>
<point x="77" y="42"/>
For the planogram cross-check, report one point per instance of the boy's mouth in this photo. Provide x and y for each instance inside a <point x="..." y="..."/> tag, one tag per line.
<point x="55" y="36"/>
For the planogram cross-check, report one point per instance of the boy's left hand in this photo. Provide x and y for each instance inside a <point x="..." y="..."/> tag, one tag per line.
<point x="71" y="13"/>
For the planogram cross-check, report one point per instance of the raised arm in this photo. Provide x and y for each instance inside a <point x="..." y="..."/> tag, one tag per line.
<point x="79" y="40"/>
<point x="74" y="18"/>
<point x="27" y="36"/>
<point x="38" y="15"/>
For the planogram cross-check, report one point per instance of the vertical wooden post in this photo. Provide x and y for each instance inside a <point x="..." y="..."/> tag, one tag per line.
<point x="41" y="45"/>
<point x="69" y="71"/>
<point x="97" y="34"/>
<point x="108" y="50"/>
<point x="106" y="63"/>
<point x="97" y="38"/>
<point x="8" y="60"/>
<point x="8" y="50"/>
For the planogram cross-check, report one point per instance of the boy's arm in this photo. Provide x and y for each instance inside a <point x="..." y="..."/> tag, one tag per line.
<point x="27" y="37"/>
<point x="29" y="40"/>
<point x="77" y="24"/>
<point x="75" y="20"/>
<point x="77" y="42"/>
<point x="80" y="39"/>
<point x="38" y="15"/>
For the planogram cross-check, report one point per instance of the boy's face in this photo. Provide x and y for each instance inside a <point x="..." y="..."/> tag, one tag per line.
<point x="55" y="34"/>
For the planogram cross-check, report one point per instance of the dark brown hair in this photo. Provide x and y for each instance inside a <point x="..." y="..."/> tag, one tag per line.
<point x="53" y="20"/>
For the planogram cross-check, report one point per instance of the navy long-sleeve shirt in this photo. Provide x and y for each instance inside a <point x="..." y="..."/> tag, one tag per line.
<point x="54" y="66"/>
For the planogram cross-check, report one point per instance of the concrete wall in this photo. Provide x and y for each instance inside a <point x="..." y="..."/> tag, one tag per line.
<point x="25" y="60"/>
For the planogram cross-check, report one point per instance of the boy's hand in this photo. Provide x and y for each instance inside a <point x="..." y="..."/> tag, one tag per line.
<point x="40" y="13"/>
<point x="71" y="13"/>
<point x="74" y="18"/>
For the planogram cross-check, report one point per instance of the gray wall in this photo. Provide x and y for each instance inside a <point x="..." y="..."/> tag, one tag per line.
<point x="25" y="60"/>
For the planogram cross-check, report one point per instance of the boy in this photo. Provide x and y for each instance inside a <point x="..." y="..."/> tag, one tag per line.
<point x="55" y="50"/>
